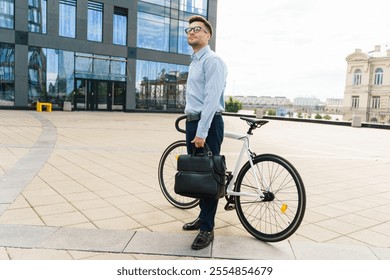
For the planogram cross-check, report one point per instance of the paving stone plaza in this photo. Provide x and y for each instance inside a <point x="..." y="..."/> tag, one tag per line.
<point x="83" y="185"/>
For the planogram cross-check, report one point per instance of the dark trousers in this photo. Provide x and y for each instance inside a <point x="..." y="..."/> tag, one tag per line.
<point x="208" y="207"/>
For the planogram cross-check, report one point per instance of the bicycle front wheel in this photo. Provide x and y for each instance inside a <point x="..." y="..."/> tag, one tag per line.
<point x="279" y="213"/>
<point x="167" y="169"/>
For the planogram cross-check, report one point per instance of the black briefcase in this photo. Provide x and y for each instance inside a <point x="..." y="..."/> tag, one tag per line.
<point x="201" y="175"/>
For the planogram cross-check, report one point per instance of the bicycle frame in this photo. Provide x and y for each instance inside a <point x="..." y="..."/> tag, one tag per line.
<point x="244" y="150"/>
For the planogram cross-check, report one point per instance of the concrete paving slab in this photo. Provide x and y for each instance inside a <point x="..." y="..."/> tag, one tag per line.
<point x="24" y="236"/>
<point x="3" y="254"/>
<point x="8" y="195"/>
<point x="37" y="254"/>
<point x="238" y="247"/>
<point x="381" y="253"/>
<point x="3" y="206"/>
<point x="88" y="240"/>
<point x="325" y="251"/>
<point x="163" y="243"/>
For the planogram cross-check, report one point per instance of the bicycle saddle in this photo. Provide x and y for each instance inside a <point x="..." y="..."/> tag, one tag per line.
<point x="253" y="123"/>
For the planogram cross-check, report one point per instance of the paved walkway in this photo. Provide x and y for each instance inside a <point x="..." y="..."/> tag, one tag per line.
<point x="83" y="185"/>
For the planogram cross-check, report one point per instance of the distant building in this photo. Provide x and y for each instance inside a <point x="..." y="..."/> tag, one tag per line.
<point x="367" y="89"/>
<point x="334" y="105"/>
<point x="307" y="104"/>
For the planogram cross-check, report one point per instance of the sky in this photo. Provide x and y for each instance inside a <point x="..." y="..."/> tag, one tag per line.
<point x="296" y="48"/>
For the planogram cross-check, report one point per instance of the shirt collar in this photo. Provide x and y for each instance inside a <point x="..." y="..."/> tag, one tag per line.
<point x="198" y="55"/>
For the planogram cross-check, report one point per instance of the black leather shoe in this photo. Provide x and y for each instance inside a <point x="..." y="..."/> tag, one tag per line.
<point x="194" y="225"/>
<point x="202" y="240"/>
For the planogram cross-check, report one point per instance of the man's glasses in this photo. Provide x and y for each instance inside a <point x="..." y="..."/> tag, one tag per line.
<point x="196" y="29"/>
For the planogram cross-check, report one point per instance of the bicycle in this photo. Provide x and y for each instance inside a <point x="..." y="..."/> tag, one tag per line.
<point x="267" y="192"/>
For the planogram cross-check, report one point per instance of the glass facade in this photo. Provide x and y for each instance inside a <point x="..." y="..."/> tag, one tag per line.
<point x="7" y="75"/>
<point x="81" y="67"/>
<point x="160" y="24"/>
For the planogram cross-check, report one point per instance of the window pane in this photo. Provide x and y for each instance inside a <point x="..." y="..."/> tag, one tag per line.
<point x="357" y="77"/>
<point x="37" y="16"/>
<point x="7" y="75"/>
<point x="95" y="21"/>
<point x="83" y="63"/>
<point x="153" y="32"/>
<point x="165" y="3"/>
<point x="160" y="85"/>
<point x="67" y="18"/>
<point x="194" y="6"/>
<point x="183" y="46"/>
<point x="7" y="14"/>
<point x="52" y="81"/>
<point x="378" y="78"/>
<point x="65" y="73"/>
<point x="101" y="66"/>
<point x="120" y="26"/>
<point x="118" y="67"/>
<point x="36" y="74"/>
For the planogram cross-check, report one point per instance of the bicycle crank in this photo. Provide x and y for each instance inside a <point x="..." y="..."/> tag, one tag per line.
<point x="230" y="205"/>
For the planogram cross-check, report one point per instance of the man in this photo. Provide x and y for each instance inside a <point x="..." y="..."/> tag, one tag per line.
<point x="204" y="105"/>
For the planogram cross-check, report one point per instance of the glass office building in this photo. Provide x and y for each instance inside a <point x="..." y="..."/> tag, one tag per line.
<point x="99" y="55"/>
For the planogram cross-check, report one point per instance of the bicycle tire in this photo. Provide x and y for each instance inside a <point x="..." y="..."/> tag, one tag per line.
<point x="167" y="169"/>
<point x="279" y="217"/>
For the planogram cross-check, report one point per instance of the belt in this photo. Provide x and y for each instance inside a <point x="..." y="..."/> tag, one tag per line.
<point x="196" y="117"/>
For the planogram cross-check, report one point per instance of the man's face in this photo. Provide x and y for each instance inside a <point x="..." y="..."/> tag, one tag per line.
<point x="197" y="40"/>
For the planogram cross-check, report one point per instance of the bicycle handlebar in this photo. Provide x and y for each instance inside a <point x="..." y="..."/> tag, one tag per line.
<point x="179" y="119"/>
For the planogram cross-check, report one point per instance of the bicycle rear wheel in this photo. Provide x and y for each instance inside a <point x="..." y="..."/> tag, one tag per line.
<point x="279" y="214"/>
<point x="167" y="169"/>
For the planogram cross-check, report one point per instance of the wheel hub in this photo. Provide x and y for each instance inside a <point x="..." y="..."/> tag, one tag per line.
<point x="268" y="196"/>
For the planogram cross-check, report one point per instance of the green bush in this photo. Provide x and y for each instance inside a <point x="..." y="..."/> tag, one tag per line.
<point x="327" y="117"/>
<point x="271" y="112"/>
<point x="233" y="106"/>
<point x="318" y="117"/>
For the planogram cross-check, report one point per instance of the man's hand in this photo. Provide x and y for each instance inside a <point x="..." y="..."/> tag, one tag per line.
<point x="199" y="142"/>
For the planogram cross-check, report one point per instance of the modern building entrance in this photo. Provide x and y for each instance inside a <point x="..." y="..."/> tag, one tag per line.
<point x="93" y="95"/>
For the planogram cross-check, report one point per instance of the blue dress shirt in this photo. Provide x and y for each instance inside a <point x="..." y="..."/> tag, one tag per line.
<point x="205" y="88"/>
